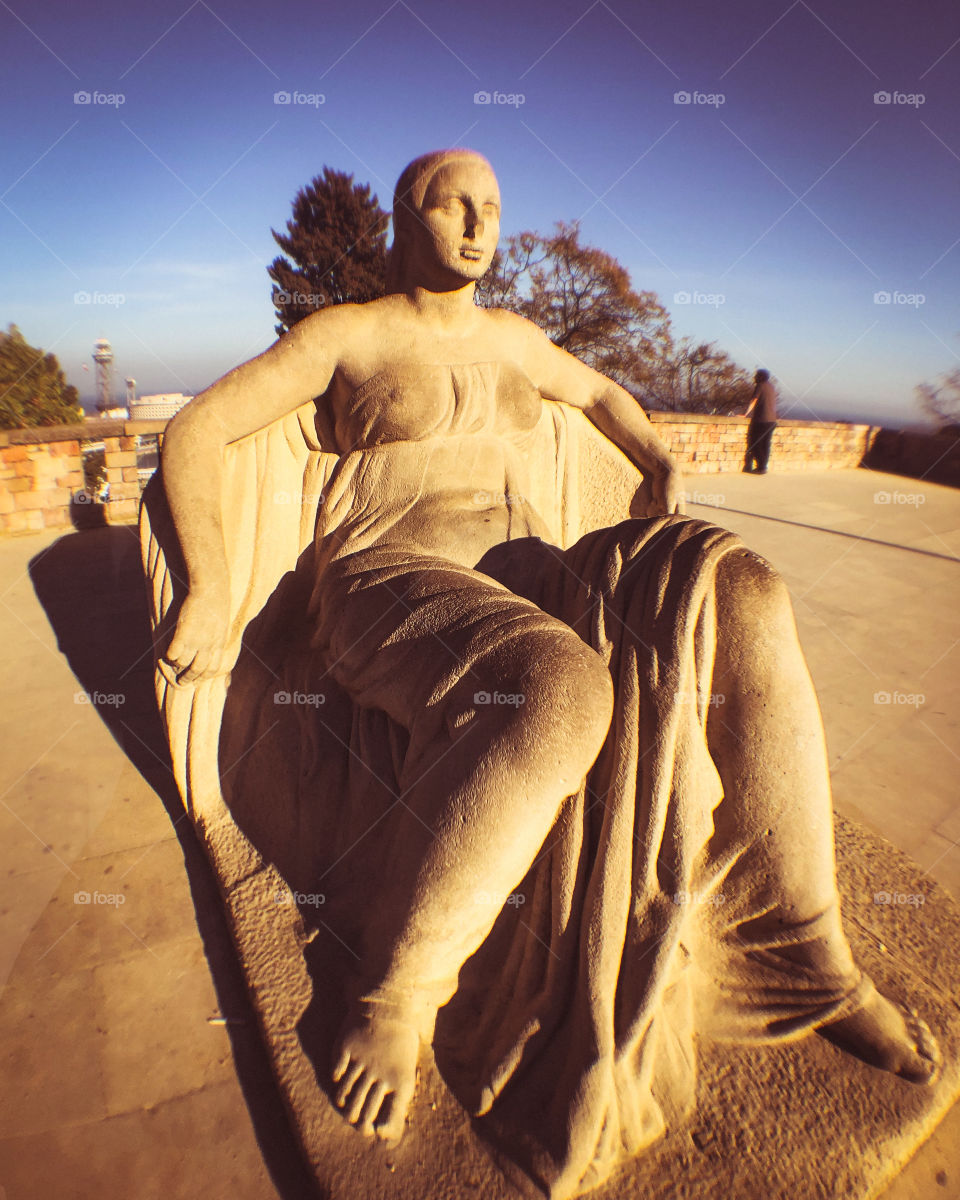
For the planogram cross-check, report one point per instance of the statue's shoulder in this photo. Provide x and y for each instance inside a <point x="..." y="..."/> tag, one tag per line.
<point x="512" y="325"/>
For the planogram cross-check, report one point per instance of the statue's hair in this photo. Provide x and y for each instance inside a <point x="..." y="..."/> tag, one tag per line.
<point x="408" y="199"/>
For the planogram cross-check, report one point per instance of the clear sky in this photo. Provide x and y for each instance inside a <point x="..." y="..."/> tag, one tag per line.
<point x="779" y="200"/>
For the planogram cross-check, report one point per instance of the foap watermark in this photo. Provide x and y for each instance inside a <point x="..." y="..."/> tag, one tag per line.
<point x="113" y="899"/>
<point x="100" y="99"/>
<point x="695" y="898"/>
<point x="713" y="699"/>
<point x="911" y="499"/>
<point x="300" y="99"/>
<point x="307" y="899"/>
<point x="111" y="299"/>
<point x="494" y="499"/>
<point x="306" y="699"/>
<point x="100" y="699"/>
<point x="900" y="99"/>
<point x="503" y="99"/>
<point x="711" y="299"/>
<point x="900" y="899"/>
<point x="516" y="699"/>
<point x="900" y="299"/>
<point x="707" y="99"/>
<point x="305" y="299"/>
<point x="902" y="699"/>
<point x="514" y="900"/>
<point x="713" y="499"/>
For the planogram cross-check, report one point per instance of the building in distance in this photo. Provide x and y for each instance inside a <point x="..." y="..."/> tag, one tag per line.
<point x="160" y="407"/>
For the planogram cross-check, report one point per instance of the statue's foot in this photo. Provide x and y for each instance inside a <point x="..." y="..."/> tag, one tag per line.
<point x="885" y="1036"/>
<point x="375" y="1064"/>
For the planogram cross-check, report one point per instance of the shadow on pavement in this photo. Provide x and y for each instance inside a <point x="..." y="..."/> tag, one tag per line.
<point x="91" y="587"/>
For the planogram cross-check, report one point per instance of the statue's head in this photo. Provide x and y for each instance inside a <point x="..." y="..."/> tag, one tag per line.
<point x="446" y="215"/>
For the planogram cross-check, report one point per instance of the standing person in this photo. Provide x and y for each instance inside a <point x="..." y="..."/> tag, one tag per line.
<point x="763" y="421"/>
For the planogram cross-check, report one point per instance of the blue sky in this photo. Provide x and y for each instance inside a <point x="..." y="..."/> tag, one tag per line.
<point x="778" y="201"/>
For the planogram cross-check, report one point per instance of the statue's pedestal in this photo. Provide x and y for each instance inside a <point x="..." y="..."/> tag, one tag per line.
<point x="802" y="1121"/>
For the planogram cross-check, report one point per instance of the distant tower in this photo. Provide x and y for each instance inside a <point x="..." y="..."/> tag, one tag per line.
<point x="131" y="393"/>
<point x="103" y="357"/>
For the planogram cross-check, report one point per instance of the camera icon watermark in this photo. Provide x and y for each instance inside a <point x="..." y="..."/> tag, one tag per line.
<point x="515" y="699"/>
<point x="305" y="699"/>
<point x="701" y="99"/>
<point x="900" y="99"/>
<point x="300" y="99"/>
<point x="912" y="499"/>
<point x="306" y="299"/>
<point x="900" y="899"/>
<point x="100" y="699"/>
<point x="711" y="499"/>
<point x="113" y="899"/>
<point x="908" y="699"/>
<point x="308" y="899"/>
<point x="495" y="98"/>
<point x="711" y="299"/>
<point x="900" y="299"/>
<point x="112" y="299"/>
<point x="100" y="99"/>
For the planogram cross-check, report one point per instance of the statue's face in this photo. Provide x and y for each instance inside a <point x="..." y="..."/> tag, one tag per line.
<point x="461" y="217"/>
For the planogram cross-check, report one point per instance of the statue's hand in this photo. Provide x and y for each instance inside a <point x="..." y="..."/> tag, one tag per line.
<point x="666" y="484"/>
<point x="198" y="647"/>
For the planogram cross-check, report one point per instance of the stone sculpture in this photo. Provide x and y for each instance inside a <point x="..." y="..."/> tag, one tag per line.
<point x="573" y="856"/>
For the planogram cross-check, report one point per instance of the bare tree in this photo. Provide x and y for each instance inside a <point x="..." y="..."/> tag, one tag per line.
<point x="585" y="302"/>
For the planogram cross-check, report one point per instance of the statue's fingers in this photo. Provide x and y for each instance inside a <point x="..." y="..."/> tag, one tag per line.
<point x="175" y="666"/>
<point x="168" y="671"/>
<point x="198" y="669"/>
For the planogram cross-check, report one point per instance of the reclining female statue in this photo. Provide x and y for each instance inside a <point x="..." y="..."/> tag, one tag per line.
<point x="557" y="709"/>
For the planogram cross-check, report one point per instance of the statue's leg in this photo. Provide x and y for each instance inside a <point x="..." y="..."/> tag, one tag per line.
<point x="518" y="710"/>
<point x="774" y="828"/>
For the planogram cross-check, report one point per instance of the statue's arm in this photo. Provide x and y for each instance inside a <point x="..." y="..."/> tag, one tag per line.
<point x="560" y="376"/>
<point x="245" y="400"/>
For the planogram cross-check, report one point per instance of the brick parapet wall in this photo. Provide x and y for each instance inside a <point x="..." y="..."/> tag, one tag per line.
<point x="709" y="445"/>
<point x="41" y="469"/>
<point x="41" y="474"/>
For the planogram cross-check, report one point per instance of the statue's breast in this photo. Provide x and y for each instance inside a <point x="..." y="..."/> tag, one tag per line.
<point x="416" y="401"/>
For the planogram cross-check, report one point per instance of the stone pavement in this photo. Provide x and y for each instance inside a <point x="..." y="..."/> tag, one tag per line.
<point x="131" y="1061"/>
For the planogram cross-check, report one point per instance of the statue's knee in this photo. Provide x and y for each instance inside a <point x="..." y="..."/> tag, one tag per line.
<point x="570" y="692"/>
<point x="750" y="592"/>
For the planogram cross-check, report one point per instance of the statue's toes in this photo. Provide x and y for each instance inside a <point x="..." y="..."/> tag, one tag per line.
<point x="369" y="1110"/>
<point x="354" y="1107"/>
<point x="348" y="1081"/>
<point x="927" y="1058"/>
<point x="390" y="1128"/>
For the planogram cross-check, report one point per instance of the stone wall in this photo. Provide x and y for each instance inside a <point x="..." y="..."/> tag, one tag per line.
<point x="712" y="444"/>
<point x="41" y="469"/>
<point x="41" y="474"/>
<point x="931" y="456"/>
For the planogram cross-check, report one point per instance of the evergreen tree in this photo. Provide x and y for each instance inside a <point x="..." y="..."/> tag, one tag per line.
<point x="336" y="240"/>
<point x="33" y="389"/>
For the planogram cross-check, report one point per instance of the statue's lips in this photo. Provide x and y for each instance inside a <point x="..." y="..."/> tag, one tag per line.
<point x="471" y="253"/>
